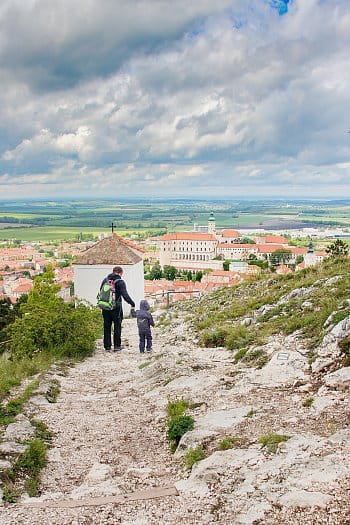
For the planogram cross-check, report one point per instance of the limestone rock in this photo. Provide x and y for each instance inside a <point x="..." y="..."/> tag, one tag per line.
<point x="329" y="346"/>
<point x="21" y="429"/>
<point x="11" y="448"/>
<point x="304" y="499"/>
<point x="99" y="472"/>
<point x="320" y="364"/>
<point x="4" y="465"/>
<point x="340" y="379"/>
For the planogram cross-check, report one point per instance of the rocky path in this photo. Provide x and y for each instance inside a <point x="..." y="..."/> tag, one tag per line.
<point x="110" y="439"/>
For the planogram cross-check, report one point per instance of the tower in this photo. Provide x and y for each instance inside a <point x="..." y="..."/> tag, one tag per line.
<point x="211" y="224"/>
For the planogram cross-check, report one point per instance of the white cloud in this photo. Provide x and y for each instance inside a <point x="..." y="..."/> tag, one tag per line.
<point x="192" y="99"/>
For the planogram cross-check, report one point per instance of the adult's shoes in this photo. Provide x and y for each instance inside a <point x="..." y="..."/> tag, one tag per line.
<point x="118" y="348"/>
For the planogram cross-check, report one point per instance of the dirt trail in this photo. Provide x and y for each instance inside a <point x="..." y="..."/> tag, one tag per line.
<point x="107" y="442"/>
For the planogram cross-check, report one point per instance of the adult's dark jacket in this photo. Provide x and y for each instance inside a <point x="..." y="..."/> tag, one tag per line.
<point x="120" y="290"/>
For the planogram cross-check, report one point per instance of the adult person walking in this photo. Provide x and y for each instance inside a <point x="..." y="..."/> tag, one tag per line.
<point x="115" y="316"/>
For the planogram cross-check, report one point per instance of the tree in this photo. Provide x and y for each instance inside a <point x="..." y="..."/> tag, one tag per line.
<point x="156" y="272"/>
<point x="280" y="256"/>
<point x="338" y="248"/>
<point x="48" y="324"/>
<point x="169" y="272"/>
<point x="299" y="259"/>
<point x="226" y="265"/>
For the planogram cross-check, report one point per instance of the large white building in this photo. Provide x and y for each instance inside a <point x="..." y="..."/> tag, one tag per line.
<point x="199" y="251"/>
<point x="94" y="264"/>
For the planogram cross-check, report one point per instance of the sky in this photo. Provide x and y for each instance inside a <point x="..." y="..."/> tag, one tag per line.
<point x="234" y="98"/>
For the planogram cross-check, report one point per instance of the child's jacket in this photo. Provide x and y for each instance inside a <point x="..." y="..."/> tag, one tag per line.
<point x="144" y="317"/>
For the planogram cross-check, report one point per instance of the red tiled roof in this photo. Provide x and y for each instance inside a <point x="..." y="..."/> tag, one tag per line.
<point x="275" y="239"/>
<point x="229" y="233"/>
<point x="188" y="236"/>
<point x="269" y="248"/>
<point x="236" y="245"/>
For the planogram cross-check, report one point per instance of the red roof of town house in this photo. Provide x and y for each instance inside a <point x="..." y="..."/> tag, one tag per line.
<point x="282" y="268"/>
<point x="275" y="239"/>
<point x="22" y="288"/>
<point x="297" y="251"/>
<point x="321" y="254"/>
<point x="269" y="248"/>
<point x="229" y="233"/>
<point x="301" y="265"/>
<point x="236" y="245"/>
<point x="223" y="273"/>
<point x="188" y="236"/>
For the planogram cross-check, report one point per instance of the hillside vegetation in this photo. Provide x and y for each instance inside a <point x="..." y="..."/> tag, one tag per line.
<point x="246" y="315"/>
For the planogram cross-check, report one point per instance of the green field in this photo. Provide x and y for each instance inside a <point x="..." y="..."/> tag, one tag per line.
<point x="65" y="220"/>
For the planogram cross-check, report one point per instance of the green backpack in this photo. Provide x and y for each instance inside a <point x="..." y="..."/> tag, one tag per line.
<point x="106" y="296"/>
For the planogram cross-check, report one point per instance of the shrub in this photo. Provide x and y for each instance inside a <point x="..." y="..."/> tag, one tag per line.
<point x="308" y="402"/>
<point x="344" y="346"/>
<point x="239" y="337"/>
<point x="178" y="426"/>
<point x="212" y="338"/>
<point x="49" y="324"/>
<point x="177" y="407"/>
<point x="271" y="442"/>
<point x="228" y="442"/>
<point x="193" y="455"/>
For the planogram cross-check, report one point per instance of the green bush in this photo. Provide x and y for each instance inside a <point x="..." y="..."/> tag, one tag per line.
<point x="32" y="460"/>
<point x="193" y="455"/>
<point x="271" y="441"/>
<point x="213" y="338"/>
<point x="228" y="442"/>
<point x="47" y="323"/>
<point x="178" y="426"/>
<point x="344" y="346"/>
<point x="177" y="407"/>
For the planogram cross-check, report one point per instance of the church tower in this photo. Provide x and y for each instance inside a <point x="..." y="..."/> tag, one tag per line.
<point x="211" y="224"/>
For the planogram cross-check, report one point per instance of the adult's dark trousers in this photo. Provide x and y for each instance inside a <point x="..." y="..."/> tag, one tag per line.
<point x="145" y="335"/>
<point x="112" y="317"/>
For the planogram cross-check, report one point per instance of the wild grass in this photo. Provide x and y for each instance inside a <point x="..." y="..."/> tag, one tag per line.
<point x="272" y="441"/>
<point x="193" y="456"/>
<point x="218" y="315"/>
<point x="13" y="407"/>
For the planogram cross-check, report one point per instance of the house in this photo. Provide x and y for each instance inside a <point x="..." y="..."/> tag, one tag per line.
<point x="95" y="263"/>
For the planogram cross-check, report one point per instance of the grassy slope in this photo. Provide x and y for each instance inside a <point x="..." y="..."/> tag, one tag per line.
<point x="217" y="317"/>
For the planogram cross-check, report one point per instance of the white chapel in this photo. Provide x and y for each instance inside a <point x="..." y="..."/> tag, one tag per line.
<point x="95" y="263"/>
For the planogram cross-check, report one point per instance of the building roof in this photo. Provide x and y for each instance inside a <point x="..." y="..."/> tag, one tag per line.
<point x="188" y="236"/>
<point x="237" y="245"/>
<point x="275" y="239"/>
<point x="112" y="250"/>
<point x="270" y="248"/>
<point x="229" y="233"/>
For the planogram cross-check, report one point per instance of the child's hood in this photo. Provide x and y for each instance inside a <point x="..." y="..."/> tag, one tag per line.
<point x="144" y="305"/>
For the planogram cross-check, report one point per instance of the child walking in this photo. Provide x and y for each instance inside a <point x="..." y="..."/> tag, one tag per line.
<point x="144" y="323"/>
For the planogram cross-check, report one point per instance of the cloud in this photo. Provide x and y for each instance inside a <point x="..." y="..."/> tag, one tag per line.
<point x="228" y="98"/>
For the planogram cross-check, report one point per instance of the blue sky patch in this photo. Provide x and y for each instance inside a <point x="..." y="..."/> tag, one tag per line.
<point x="281" y="5"/>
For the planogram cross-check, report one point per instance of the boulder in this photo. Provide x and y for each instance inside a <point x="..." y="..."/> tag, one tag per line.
<point x="329" y="346"/>
<point x="11" y="448"/>
<point x="20" y="430"/>
<point x="339" y="380"/>
<point x="304" y="499"/>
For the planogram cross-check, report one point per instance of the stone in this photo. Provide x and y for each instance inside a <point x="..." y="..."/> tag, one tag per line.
<point x="255" y="513"/>
<point x="196" y="487"/>
<point x="99" y="472"/>
<point x="21" y="430"/>
<point x="193" y="438"/>
<point x="222" y="419"/>
<point x="10" y="448"/>
<point x="304" y="499"/>
<point x="340" y="379"/>
<point x="320" y="364"/>
<point x="329" y="346"/>
<point x="322" y="403"/>
<point x="4" y="465"/>
<point x="277" y="371"/>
